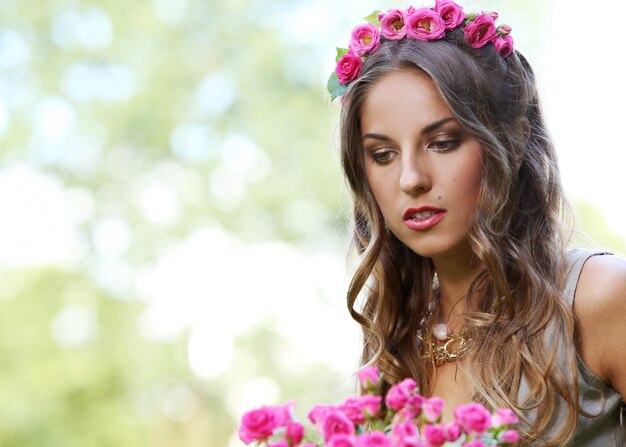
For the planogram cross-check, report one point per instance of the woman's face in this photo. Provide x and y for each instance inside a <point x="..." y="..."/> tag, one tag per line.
<point x="423" y="169"/>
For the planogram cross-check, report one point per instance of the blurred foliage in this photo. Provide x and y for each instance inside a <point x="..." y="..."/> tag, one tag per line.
<point x="214" y="102"/>
<point x="206" y="99"/>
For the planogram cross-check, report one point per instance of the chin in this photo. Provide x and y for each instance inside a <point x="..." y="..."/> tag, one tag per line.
<point x="434" y="247"/>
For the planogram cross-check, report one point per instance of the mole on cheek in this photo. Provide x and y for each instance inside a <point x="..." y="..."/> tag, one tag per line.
<point x="438" y="197"/>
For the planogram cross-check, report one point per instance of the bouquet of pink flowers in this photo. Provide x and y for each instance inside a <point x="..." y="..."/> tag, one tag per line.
<point x="411" y="420"/>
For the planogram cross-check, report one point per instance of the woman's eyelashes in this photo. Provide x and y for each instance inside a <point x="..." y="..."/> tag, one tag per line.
<point x="443" y="145"/>
<point x="383" y="156"/>
<point x="386" y="155"/>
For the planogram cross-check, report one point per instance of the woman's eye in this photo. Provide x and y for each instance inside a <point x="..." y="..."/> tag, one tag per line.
<point x="382" y="157"/>
<point x="443" y="146"/>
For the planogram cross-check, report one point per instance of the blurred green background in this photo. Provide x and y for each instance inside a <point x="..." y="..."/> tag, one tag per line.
<point x="173" y="219"/>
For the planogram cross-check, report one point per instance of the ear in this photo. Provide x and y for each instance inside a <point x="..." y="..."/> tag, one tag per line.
<point x="523" y="129"/>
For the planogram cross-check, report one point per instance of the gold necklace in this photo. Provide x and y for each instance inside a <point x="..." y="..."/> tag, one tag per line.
<point x="453" y="347"/>
<point x="444" y="346"/>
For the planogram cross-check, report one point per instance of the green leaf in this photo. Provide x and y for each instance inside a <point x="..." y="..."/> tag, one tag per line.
<point x="373" y="18"/>
<point x="470" y="18"/>
<point x="334" y="87"/>
<point x="341" y="52"/>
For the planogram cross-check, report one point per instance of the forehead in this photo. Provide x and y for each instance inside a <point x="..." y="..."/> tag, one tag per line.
<point x="402" y="100"/>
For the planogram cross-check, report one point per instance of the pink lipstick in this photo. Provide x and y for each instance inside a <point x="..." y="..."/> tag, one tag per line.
<point x="423" y="218"/>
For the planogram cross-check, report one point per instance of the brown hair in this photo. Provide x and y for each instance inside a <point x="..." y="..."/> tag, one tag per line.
<point x="516" y="234"/>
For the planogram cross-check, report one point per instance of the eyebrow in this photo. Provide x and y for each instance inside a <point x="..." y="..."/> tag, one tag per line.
<point x="431" y="127"/>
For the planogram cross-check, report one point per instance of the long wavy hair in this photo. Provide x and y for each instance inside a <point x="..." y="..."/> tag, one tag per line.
<point x="517" y="234"/>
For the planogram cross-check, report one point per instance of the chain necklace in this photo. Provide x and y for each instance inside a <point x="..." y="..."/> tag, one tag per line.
<point x="444" y="346"/>
<point x="453" y="348"/>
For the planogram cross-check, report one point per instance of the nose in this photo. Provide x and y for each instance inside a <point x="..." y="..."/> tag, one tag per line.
<point x="414" y="177"/>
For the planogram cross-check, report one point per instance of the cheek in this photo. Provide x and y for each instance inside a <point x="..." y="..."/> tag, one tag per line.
<point x="471" y="186"/>
<point x="382" y="192"/>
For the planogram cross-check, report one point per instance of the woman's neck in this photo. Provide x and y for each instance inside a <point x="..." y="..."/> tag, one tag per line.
<point x="455" y="277"/>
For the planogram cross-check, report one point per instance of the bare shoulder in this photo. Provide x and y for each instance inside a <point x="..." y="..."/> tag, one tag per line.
<point x="600" y="309"/>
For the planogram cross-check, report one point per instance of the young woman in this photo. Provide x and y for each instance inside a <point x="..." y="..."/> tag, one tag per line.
<point x="465" y="282"/>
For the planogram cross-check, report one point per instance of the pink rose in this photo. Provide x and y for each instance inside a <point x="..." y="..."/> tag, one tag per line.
<point x="399" y="394"/>
<point x="373" y="439"/>
<point x="359" y="408"/>
<point x="472" y="417"/>
<point x="336" y="423"/>
<point x="405" y="429"/>
<point x="432" y="409"/>
<point x="294" y="433"/>
<point x="409" y="442"/>
<point x="318" y="413"/>
<point x="453" y="431"/>
<point x="368" y="377"/>
<point x="415" y="405"/>
<point x="424" y="24"/>
<point x="503" y="416"/>
<point x="340" y="441"/>
<point x="435" y="435"/>
<point x="503" y="29"/>
<point x="451" y="13"/>
<point x="392" y="24"/>
<point x="510" y="437"/>
<point x="504" y="45"/>
<point x="348" y="67"/>
<point x="259" y="424"/>
<point x="480" y="30"/>
<point x="365" y="39"/>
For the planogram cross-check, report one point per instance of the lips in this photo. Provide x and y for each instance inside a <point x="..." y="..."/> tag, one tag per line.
<point x="423" y="218"/>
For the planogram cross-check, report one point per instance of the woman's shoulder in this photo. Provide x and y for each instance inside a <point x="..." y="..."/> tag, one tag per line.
<point x="601" y="287"/>
<point x="600" y="310"/>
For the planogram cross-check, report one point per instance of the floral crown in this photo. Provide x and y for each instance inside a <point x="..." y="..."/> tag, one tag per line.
<point x="419" y="24"/>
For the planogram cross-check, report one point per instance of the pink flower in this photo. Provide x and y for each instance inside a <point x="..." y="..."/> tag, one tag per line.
<point x="392" y="24"/>
<point x="451" y="13"/>
<point x="365" y="39"/>
<point x="336" y="423"/>
<point x="424" y="24"/>
<point x="259" y="424"/>
<point x="359" y="408"/>
<point x="453" y="431"/>
<point x="504" y="45"/>
<point x="405" y="429"/>
<point x="435" y="435"/>
<point x="480" y="30"/>
<point x="472" y="417"/>
<point x="432" y="409"/>
<point x="510" y="437"/>
<point x="415" y="405"/>
<point x="503" y="416"/>
<point x="409" y="442"/>
<point x="294" y="433"/>
<point x="340" y="441"/>
<point x="348" y="67"/>
<point x="373" y="439"/>
<point x="503" y="29"/>
<point x="318" y="413"/>
<point x="368" y="377"/>
<point x="399" y="394"/>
